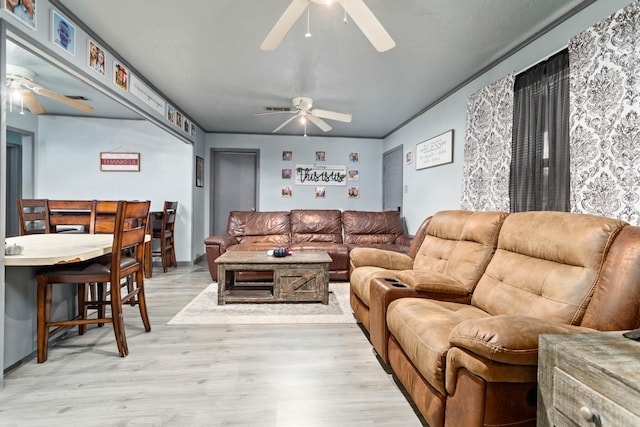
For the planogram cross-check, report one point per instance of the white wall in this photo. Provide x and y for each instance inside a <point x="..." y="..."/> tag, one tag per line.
<point x="435" y="189"/>
<point x="67" y="161"/>
<point x="304" y="151"/>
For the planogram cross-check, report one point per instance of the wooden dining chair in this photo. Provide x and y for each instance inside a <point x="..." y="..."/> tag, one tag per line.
<point x="165" y="234"/>
<point x="130" y="222"/>
<point x="69" y="216"/>
<point x="34" y="216"/>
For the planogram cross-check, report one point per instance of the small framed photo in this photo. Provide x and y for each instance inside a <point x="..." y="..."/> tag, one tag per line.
<point x="179" y="119"/>
<point x="320" y="192"/>
<point x="120" y="76"/>
<point x="171" y="113"/>
<point x="287" y="156"/>
<point x="286" y="173"/>
<point x="24" y="10"/>
<point x="96" y="57"/>
<point x="354" y="157"/>
<point x="193" y="129"/>
<point x="354" y="192"/>
<point x="187" y="125"/>
<point x="63" y="33"/>
<point x="353" y="175"/>
<point x="286" y="191"/>
<point x="199" y="171"/>
<point x="320" y="156"/>
<point x="408" y="158"/>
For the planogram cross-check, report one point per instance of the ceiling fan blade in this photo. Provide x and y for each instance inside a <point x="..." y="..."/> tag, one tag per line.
<point x="32" y="102"/>
<point x="284" y="24"/>
<point x="331" y="115"/>
<point x="369" y="24"/>
<point x="285" y="123"/>
<point x="61" y="98"/>
<point x="320" y="123"/>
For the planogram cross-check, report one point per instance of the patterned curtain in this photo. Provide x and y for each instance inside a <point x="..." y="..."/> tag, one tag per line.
<point x="487" y="147"/>
<point x="605" y="117"/>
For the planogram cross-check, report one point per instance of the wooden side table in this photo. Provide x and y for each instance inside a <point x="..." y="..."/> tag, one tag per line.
<point x="588" y="379"/>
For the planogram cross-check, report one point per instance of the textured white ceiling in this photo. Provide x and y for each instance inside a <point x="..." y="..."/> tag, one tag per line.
<point x="204" y="55"/>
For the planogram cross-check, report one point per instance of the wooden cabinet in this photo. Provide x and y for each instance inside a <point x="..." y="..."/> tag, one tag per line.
<point x="588" y="380"/>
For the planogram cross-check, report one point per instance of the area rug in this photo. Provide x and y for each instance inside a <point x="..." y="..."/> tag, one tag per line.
<point x="204" y="310"/>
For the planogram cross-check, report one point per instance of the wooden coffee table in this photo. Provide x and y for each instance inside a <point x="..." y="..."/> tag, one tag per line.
<point x="299" y="277"/>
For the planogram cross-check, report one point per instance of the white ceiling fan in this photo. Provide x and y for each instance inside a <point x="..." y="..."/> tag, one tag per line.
<point x="22" y="88"/>
<point x="302" y="108"/>
<point x="359" y="12"/>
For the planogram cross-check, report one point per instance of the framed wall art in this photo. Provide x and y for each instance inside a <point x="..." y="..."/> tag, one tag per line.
<point x="199" y="171"/>
<point x="119" y="162"/>
<point x="63" y="33"/>
<point x="25" y="11"/>
<point x="435" y="151"/>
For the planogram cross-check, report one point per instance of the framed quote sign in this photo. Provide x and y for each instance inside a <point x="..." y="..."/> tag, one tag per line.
<point x="435" y="151"/>
<point x="120" y="162"/>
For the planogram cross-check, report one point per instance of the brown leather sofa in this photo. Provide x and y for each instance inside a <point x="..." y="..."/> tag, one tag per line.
<point x="458" y="324"/>
<point x="330" y="230"/>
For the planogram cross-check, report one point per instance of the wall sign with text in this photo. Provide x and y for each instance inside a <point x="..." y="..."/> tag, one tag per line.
<point x="321" y="175"/>
<point x="120" y="162"/>
<point x="435" y="151"/>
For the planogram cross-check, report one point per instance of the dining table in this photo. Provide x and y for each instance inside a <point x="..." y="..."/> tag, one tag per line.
<point x="40" y="252"/>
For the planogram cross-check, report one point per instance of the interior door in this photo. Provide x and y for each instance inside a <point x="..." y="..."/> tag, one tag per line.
<point x="392" y="180"/>
<point x="234" y="185"/>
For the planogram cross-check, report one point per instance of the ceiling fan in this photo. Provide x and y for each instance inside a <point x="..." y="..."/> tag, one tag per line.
<point x="359" y="12"/>
<point x="302" y="108"/>
<point x="20" y="83"/>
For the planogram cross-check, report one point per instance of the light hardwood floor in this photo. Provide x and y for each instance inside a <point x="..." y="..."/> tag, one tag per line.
<point x="185" y="375"/>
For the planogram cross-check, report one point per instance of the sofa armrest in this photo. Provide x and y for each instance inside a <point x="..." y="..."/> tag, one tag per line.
<point x="507" y="339"/>
<point x="374" y="257"/>
<point x="433" y="282"/>
<point x="214" y="247"/>
<point x="404" y="240"/>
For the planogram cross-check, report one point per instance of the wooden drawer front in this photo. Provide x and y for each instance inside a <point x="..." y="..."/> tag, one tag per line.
<point x="570" y="395"/>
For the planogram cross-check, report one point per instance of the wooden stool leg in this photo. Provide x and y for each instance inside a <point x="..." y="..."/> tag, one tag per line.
<point x="118" y="320"/>
<point x="142" y="302"/>
<point x="44" y="313"/>
<point x="82" y="305"/>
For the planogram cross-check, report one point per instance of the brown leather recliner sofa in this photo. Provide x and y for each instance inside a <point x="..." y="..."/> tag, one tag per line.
<point x="329" y="230"/>
<point x="458" y="323"/>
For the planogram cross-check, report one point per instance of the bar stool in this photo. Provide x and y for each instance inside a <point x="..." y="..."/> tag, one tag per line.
<point x="130" y="224"/>
<point x="165" y="234"/>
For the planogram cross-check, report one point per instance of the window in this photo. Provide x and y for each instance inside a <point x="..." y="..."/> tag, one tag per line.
<point x="539" y="177"/>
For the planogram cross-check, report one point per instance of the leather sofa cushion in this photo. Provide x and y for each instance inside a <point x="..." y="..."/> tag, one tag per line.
<point x="316" y="225"/>
<point x="360" y="281"/>
<point x="365" y="228"/>
<point x="422" y="328"/>
<point x="546" y="265"/>
<point x="460" y="244"/>
<point x="338" y="252"/>
<point x="260" y="227"/>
